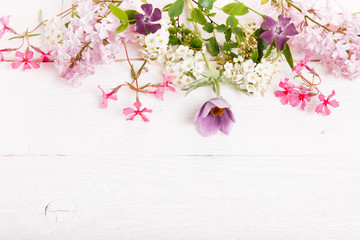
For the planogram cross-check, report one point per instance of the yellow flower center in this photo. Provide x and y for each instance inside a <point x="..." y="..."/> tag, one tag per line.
<point x="217" y="112"/>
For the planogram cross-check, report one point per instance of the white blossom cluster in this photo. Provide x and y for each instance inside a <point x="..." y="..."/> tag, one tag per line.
<point x="255" y="78"/>
<point x="185" y="65"/>
<point x="54" y="31"/>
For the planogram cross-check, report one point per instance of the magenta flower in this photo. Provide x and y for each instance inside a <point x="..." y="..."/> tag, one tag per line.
<point x="159" y="93"/>
<point x="167" y="80"/>
<point x="278" y="31"/>
<point x="303" y="64"/>
<point x="213" y="116"/>
<point x="1" y="57"/>
<point x="288" y="89"/>
<point x="298" y="97"/>
<point x="137" y="111"/>
<point x="4" y="21"/>
<point x="325" y="102"/>
<point x="106" y="97"/>
<point x="144" y="23"/>
<point x="45" y="56"/>
<point x="26" y="59"/>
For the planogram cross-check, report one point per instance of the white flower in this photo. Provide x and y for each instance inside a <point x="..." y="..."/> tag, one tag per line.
<point x="228" y="66"/>
<point x="252" y="77"/>
<point x="248" y="66"/>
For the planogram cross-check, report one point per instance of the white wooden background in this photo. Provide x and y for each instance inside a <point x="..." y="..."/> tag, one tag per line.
<point x="71" y="170"/>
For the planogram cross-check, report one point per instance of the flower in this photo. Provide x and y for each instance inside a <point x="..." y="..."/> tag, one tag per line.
<point x="303" y="64"/>
<point x="213" y="116"/>
<point x="159" y="93"/>
<point x="107" y="96"/>
<point x="137" y="111"/>
<point x="325" y="102"/>
<point x="167" y="80"/>
<point x="279" y="31"/>
<point x="27" y="59"/>
<point x="45" y="56"/>
<point x="144" y="23"/>
<point x="288" y="89"/>
<point x="4" y="21"/>
<point x="299" y="96"/>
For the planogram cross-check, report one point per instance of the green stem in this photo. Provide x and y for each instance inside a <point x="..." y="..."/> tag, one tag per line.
<point x="263" y="16"/>
<point x="217" y="87"/>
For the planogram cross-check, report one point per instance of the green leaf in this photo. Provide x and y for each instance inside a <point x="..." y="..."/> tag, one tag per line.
<point x="236" y="9"/>
<point x="254" y="56"/>
<point x="213" y="47"/>
<point x="261" y="44"/>
<point x="232" y="21"/>
<point x="176" y="8"/>
<point x="239" y="34"/>
<point x="131" y="14"/>
<point x="166" y="8"/>
<point x="15" y="37"/>
<point x="196" y="43"/>
<point x="221" y="28"/>
<point x="172" y="30"/>
<point x="173" y="40"/>
<point x="206" y="3"/>
<point x="226" y="47"/>
<point x="208" y="27"/>
<point x="228" y="35"/>
<point x="264" y="2"/>
<point x="122" y="28"/>
<point x="120" y="14"/>
<point x="198" y="16"/>
<point x="211" y="14"/>
<point x="288" y="55"/>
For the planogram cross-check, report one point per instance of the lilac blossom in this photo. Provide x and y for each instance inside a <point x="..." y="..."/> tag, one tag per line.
<point x="144" y="23"/>
<point x="213" y="116"/>
<point x="279" y="31"/>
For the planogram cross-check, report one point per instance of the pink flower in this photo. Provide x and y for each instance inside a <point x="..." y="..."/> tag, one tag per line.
<point x="159" y="93"/>
<point x="1" y="57"/>
<point x="325" y="102"/>
<point x="299" y="96"/>
<point x="27" y="59"/>
<point x="107" y="96"/>
<point x="288" y="89"/>
<point x="167" y="80"/>
<point x="4" y="21"/>
<point x="303" y="64"/>
<point x="137" y="111"/>
<point x="45" y="56"/>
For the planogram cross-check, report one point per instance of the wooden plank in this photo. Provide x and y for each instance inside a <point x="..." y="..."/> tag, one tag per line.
<point x="42" y="114"/>
<point x="163" y="197"/>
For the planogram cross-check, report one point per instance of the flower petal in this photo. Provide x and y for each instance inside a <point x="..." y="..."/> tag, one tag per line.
<point x="209" y="126"/>
<point x="331" y="95"/>
<point x="226" y="123"/>
<point x="19" y="55"/>
<point x="268" y="23"/>
<point x="268" y="36"/>
<point x="128" y="111"/>
<point x="137" y="105"/>
<point x="290" y="30"/>
<point x="219" y="102"/>
<point x="156" y="16"/>
<point x="280" y="41"/>
<point x="147" y="8"/>
<point x="334" y="103"/>
<point x="26" y="66"/>
<point x="151" y="27"/>
<point x="29" y="55"/>
<point x="144" y="118"/>
<point x="283" y="20"/>
<point x="319" y="108"/>
<point x="16" y="64"/>
<point x="35" y="64"/>
<point x="140" y="28"/>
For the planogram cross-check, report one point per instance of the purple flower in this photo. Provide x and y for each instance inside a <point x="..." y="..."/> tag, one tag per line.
<point x="279" y="31"/>
<point x="213" y="116"/>
<point x="144" y="23"/>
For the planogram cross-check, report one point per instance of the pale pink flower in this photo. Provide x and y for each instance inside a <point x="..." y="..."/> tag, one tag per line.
<point x="26" y="59"/>
<point x="106" y="96"/>
<point x="4" y="21"/>
<point x="137" y="111"/>
<point x="303" y="64"/>
<point x="159" y="93"/>
<point x="325" y="102"/>
<point x="298" y="97"/>
<point x="167" y="80"/>
<point x="288" y="89"/>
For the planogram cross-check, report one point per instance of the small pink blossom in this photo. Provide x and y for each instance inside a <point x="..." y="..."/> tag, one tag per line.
<point x="1" y="57"/>
<point x="137" y="111"/>
<point x="303" y="64"/>
<point x="167" y="80"/>
<point x="45" y="56"/>
<point x="26" y="59"/>
<point x="288" y="89"/>
<point x="4" y="21"/>
<point x="298" y="97"/>
<point x="106" y="97"/>
<point x="159" y="93"/>
<point x="325" y="103"/>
